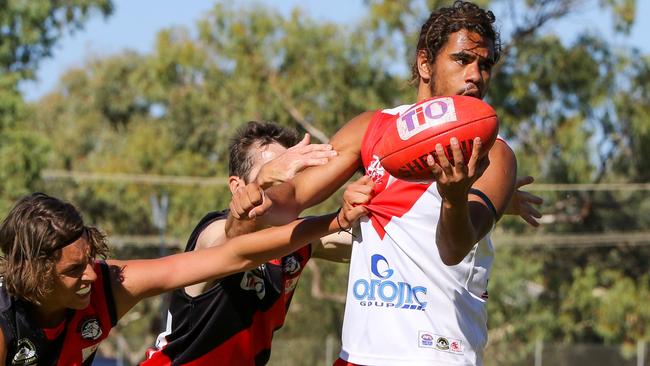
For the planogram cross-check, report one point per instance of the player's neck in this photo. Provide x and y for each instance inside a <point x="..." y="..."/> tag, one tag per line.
<point x="424" y="91"/>
<point x="46" y="317"/>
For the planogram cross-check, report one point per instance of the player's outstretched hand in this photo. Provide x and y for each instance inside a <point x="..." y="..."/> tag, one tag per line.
<point x="454" y="181"/>
<point x="521" y="203"/>
<point x="294" y="160"/>
<point x="249" y="201"/>
<point x="355" y="196"/>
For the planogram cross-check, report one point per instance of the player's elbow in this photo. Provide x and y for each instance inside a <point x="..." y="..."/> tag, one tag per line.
<point x="451" y="259"/>
<point x="450" y="254"/>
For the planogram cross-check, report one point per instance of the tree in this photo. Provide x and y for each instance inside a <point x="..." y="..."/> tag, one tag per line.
<point x="29" y="31"/>
<point x="575" y="110"/>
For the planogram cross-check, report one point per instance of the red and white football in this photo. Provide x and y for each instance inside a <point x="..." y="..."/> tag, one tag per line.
<point x="414" y="134"/>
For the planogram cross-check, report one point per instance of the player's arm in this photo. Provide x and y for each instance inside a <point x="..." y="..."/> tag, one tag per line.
<point x="311" y="186"/>
<point x="474" y="196"/>
<point x="136" y="279"/>
<point x="294" y="160"/>
<point x="337" y="247"/>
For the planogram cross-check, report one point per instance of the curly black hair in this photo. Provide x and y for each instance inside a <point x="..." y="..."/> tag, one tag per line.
<point x="445" y="21"/>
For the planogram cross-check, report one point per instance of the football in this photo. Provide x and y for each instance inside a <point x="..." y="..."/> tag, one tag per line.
<point x="414" y="134"/>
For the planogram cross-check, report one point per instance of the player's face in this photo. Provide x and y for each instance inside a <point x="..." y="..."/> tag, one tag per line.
<point x="262" y="156"/>
<point x="74" y="277"/>
<point x="463" y="65"/>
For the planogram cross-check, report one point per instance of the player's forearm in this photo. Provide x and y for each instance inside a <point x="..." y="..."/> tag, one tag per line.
<point x="455" y="235"/>
<point x="283" y="210"/>
<point x="258" y="247"/>
<point x="144" y="278"/>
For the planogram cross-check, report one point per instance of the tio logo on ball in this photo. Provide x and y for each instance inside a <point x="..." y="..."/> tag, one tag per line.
<point x="425" y="115"/>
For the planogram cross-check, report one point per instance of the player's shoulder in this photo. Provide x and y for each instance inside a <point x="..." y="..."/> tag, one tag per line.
<point x="357" y="126"/>
<point x="502" y="149"/>
<point x="212" y="234"/>
<point x="396" y="110"/>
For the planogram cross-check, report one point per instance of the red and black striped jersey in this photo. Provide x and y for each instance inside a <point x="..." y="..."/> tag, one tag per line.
<point x="232" y="323"/>
<point x="72" y="343"/>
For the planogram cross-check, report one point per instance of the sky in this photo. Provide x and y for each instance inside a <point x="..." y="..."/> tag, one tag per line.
<point x="135" y="23"/>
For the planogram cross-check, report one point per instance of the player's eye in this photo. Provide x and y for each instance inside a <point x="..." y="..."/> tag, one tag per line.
<point x="485" y="65"/>
<point x="75" y="271"/>
<point x="462" y="59"/>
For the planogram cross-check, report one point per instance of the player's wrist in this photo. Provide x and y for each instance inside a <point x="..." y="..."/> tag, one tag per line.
<point x="342" y="223"/>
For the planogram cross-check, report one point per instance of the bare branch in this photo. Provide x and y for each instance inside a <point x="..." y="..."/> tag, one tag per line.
<point x="294" y="112"/>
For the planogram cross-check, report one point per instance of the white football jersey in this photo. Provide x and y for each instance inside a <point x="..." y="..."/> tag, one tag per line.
<point x="404" y="305"/>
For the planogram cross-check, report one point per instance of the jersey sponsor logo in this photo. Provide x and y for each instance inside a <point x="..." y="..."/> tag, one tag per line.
<point x="291" y="265"/>
<point x="384" y="292"/>
<point x="375" y="171"/>
<point x="251" y="281"/>
<point x="439" y="342"/>
<point x="425" y="115"/>
<point x="90" y="329"/>
<point x="26" y="354"/>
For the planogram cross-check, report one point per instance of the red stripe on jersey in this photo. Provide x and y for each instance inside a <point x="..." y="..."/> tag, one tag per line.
<point x="392" y="200"/>
<point x="241" y="348"/>
<point x="89" y="326"/>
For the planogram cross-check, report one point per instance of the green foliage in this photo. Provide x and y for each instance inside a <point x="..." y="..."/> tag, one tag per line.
<point x="576" y="110"/>
<point x="22" y="156"/>
<point x="30" y="28"/>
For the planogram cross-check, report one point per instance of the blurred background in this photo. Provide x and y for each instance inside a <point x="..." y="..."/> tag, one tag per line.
<point x="125" y="108"/>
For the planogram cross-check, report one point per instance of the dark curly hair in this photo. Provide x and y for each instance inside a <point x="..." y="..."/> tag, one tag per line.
<point x="445" y="21"/>
<point x="31" y="238"/>
<point x="255" y="135"/>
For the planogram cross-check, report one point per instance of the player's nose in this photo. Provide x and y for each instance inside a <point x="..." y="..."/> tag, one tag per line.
<point x="473" y="73"/>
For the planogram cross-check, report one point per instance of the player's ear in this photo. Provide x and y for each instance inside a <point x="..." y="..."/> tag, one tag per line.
<point x="424" y="67"/>
<point x="235" y="182"/>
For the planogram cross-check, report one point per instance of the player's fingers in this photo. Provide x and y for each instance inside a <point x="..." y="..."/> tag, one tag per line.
<point x="457" y="153"/>
<point x="303" y="142"/>
<point x="357" y="198"/>
<point x="522" y="181"/>
<point x="319" y="154"/>
<point x="254" y="195"/>
<point x="435" y="168"/>
<point x="261" y="209"/>
<point x="531" y="198"/>
<point x="306" y="149"/>
<point x="530" y="220"/>
<point x="233" y="210"/>
<point x="365" y="181"/>
<point x="236" y="205"/>
<point x="355" y="213"/>
<point x="534" y="212"/>
<point x="443" y="162"/>
<point x="473" y="159"/>
<point x="305" y="163"/>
